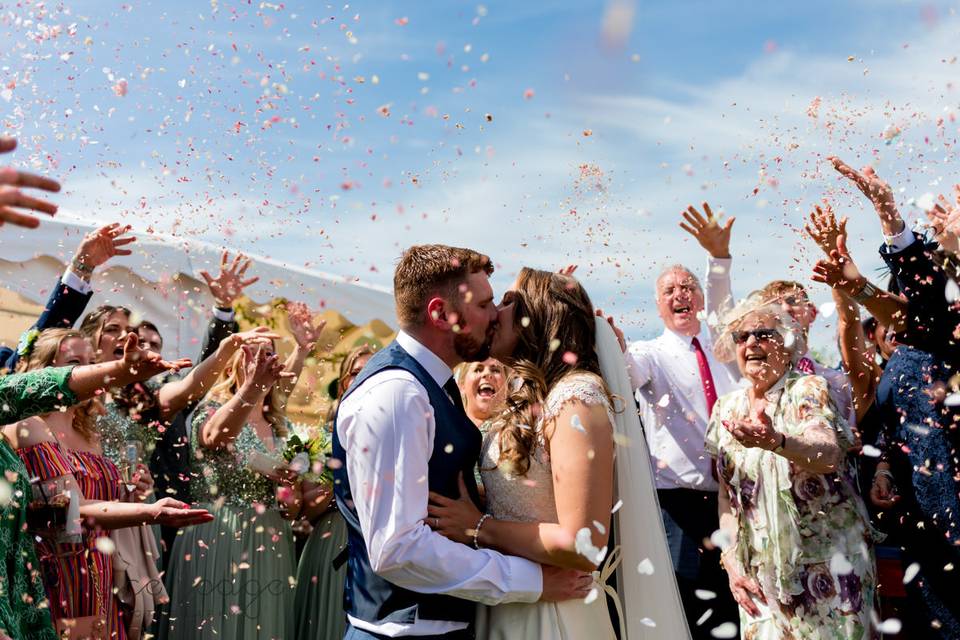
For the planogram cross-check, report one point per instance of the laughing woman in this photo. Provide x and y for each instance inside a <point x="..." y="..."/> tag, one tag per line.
<point x="800" y="559"/>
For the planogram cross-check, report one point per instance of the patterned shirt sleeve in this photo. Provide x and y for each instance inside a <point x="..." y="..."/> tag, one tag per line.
<point x="31" y="393"/>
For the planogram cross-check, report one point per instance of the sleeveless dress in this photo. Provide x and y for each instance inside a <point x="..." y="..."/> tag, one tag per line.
<point x="530" y="498"/>
<point x="232" y="577"/>
<point x="77" y="576"/>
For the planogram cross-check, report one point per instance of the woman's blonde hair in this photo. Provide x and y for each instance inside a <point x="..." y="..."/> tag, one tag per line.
<point x="42" y="355"/>
<point x="559" y="321"/>
<point x="794" y="338"/>
<point x="229" y="382"/>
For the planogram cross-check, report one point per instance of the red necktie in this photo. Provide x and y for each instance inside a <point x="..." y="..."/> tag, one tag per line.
<point x="706" y="378"/>
<point x="805" y="365"/>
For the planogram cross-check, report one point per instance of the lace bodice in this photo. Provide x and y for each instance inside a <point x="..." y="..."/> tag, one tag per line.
<point x="530" y="498"/>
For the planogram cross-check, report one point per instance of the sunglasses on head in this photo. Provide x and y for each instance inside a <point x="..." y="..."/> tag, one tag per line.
<point x="792" y="301"/>
<point x="762" y="335"/>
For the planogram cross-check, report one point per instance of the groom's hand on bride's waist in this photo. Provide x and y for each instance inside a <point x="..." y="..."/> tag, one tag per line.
<point x="565" y="584"/>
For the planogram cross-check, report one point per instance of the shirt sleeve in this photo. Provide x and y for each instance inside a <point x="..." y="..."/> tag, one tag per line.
<point x="75" y="282"/>
<point x="639" y="365"/>
<point x="224" y="315"/>
<point x="899" y="242"/>
<point x="387" y="426"/>
<point x="718" y="293"/>
<point x="36" y="392"/>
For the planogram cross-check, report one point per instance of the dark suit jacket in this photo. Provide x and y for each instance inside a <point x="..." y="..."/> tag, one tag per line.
<point x="170" y="463"/>
<point x="63" y="309"/>
<point x="931" y="319"/>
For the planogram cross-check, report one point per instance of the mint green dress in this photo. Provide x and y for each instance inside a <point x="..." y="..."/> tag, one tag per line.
<point x="24" y="610"/>
<point x="232" y="577"/>
<point x="318" y="603"/>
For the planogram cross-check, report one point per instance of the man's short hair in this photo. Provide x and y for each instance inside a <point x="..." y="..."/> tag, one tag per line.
<point x="146" y="324"/>
<point x="429" y="270"/>
<point x="671" y="269"/>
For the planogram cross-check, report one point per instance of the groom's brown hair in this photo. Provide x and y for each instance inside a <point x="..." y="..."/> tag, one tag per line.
<point x="428" y="270"/>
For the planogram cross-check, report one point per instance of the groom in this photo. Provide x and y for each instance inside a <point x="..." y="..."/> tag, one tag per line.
<point x="401" y="432"/>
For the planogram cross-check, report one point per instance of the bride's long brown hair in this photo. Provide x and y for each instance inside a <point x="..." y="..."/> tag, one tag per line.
<point x="555" y="326"/>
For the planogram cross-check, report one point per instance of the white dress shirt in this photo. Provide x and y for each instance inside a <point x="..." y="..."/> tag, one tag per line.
<point x="387" y="428"/>
<point x="673" y="406"/>
<point x="719" y="300"/>
<point x="75" y="282"/>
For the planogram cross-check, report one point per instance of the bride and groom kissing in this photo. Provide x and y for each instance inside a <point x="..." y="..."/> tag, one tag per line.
<point x="428" y="554"/>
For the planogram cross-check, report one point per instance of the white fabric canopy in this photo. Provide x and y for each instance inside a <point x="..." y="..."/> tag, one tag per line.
<point x="161" y="280"/>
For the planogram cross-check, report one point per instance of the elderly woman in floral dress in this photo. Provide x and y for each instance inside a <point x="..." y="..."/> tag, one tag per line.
<point x="796" y="538"/>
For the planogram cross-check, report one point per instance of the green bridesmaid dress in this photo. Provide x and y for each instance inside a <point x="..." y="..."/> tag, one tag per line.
<point x="232" y="577"/>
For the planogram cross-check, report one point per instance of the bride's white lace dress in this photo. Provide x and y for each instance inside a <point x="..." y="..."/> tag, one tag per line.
<point x="530" y="498"/>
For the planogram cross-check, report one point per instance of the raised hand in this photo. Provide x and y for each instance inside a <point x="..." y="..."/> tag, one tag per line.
<point x="10" y="195"/>
<point x="302" y="326"/>
<point x="839" y="271"/>
<point x="100" y="245"/>
<point x="261" y="370"/>
<point x="944" y="219"/>
<point x="824" y="229"/>
<point x="877" y="191"/>
<point x="707" y="231"/>
<point x="255" y="336"/>
<point x="229" y="283"/>
<point x="145" y="364"/>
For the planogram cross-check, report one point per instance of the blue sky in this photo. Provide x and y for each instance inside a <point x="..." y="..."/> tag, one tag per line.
<point x="333" y="135"/>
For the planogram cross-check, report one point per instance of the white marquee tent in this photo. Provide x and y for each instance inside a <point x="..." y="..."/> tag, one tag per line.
<point x="161" y="280"/>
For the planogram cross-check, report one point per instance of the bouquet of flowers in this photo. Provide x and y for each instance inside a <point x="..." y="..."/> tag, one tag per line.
<point x="306" y="454"/>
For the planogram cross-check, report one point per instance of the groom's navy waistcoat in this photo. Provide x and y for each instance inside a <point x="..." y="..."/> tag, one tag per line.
<point x="456" y="448"/>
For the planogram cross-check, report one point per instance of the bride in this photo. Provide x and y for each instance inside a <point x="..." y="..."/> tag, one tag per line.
<point x="548" y="472"/>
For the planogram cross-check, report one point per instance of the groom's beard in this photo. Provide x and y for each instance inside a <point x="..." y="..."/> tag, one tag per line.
<point x="472" y="350"/>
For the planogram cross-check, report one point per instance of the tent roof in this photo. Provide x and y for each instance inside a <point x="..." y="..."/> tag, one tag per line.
<point x="159" y="260"/>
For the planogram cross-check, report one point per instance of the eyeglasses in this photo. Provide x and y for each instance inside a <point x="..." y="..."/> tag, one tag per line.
<point x="762" y="335"/>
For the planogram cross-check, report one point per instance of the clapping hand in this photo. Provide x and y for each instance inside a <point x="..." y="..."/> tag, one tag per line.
<point x="824" y="229"/>
<point x="706" y="229"/>
<point x="229" y="283"/>
<point x="10" y="195"/>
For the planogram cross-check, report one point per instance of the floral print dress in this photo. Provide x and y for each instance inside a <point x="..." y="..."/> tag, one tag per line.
<point x="805" y="537"/>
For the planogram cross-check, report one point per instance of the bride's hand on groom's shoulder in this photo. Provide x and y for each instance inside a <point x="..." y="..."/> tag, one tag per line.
<point x="453" y="518"/>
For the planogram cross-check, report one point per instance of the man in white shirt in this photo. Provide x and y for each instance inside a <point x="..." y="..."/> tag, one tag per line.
<point x="401" y="432"/>
<point x="678" y="380"/>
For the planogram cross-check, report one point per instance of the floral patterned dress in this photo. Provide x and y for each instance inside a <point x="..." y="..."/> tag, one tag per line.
<point x="805" y="537"/>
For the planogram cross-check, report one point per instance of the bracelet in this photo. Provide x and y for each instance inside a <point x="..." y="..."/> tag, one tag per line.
<point x="476" y="530"/>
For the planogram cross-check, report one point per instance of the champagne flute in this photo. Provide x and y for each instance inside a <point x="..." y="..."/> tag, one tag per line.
<point x="131" y="456"/>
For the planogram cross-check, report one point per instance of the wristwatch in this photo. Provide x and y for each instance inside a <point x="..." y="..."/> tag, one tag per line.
<point x="866" y="292"/>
